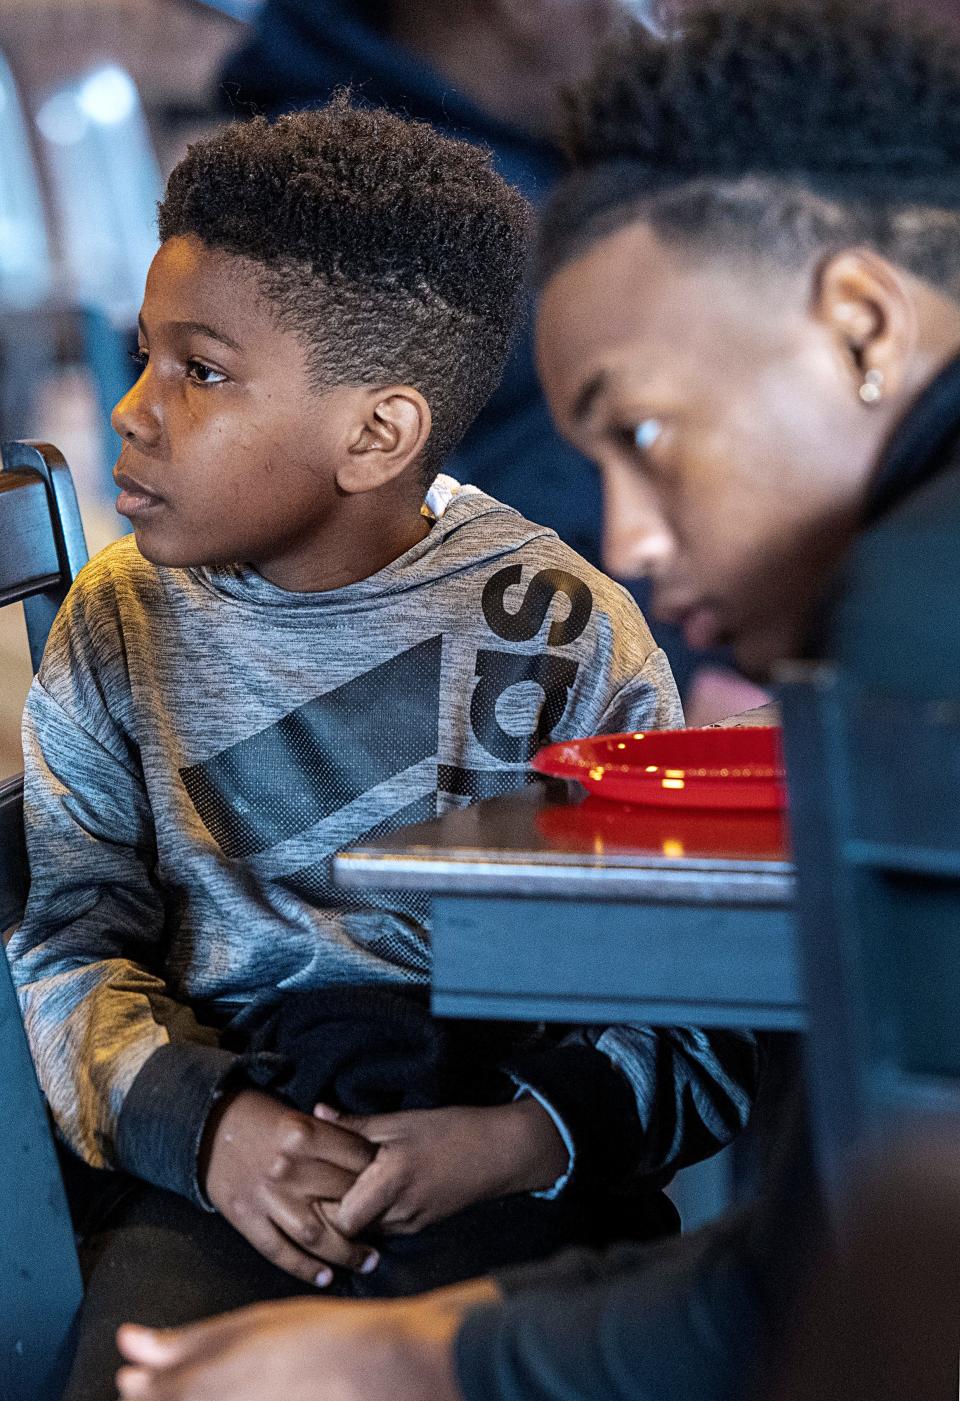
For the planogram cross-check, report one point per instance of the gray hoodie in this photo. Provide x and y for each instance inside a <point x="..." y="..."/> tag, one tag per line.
<point x="197" y="745"/>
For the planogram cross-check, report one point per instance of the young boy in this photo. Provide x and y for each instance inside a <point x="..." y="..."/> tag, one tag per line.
<point x="288" y="655"/>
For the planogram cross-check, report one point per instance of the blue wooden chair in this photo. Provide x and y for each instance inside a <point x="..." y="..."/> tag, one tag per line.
<point x="876" y="828"/>
<point x="41" y="549"/>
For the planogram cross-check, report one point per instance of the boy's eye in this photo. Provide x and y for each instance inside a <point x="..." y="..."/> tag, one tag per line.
<point x="639" y="439"/>
<point x="646" y="433"/>
<point x="204" y="374"/>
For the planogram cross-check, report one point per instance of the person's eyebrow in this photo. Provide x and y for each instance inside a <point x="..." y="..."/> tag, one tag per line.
<point x="588" y="395"/>
<point x="198" y="328"/>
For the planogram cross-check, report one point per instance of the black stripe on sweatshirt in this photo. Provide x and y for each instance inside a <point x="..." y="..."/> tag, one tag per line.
<point x="315" y="760"/>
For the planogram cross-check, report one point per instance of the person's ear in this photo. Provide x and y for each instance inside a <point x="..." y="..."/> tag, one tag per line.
<point x="395" y="426"/>
<point x="865" y="304"/>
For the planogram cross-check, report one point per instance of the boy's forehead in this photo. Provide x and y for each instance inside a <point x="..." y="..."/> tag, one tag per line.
<point x="616" y="312"/>
<point x="190" y="282"/>
<point x="632" y="303"/>
<point x="625" y="289"/>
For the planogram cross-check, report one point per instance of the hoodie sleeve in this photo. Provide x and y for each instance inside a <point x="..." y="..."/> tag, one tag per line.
<point x="88" y="959"/>
<point x="642" y="1323"/>
<point x="647" y="700"/>
<point x="638" y="1101"/>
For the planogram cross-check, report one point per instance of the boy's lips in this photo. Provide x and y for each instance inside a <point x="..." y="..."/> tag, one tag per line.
<point x="700" y="623"/>
<point x="135" y="499"/>
<point x="701" y="628"/>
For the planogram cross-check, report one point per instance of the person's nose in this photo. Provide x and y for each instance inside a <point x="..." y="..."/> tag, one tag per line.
<point x="136" y="418"/>
<point x="636" y="541"/>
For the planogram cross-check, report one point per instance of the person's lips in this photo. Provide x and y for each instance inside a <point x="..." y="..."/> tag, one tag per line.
<point x="700" y="622"/>
<point x="135" y="499"/>
<point x="702" y="628"/>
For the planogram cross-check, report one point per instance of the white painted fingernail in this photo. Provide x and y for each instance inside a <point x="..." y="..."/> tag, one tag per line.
<point x="323" y="1277"/>
<point x="370" y="1263"/>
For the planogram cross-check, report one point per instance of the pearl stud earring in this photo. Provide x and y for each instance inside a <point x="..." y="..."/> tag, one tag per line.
<point x="871" y="390"/>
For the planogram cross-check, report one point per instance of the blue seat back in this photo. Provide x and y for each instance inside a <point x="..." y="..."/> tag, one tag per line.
<point x="41" y="549"/>
<point x="40" y="1287"/>
<point x="26" y="267"/>
<point x="42" y="544"/>
<point x="105" y="182"/>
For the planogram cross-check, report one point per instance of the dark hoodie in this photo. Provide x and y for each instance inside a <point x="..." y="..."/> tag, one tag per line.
<point x="697" y="1320"/>
<point x="301" y="51"/>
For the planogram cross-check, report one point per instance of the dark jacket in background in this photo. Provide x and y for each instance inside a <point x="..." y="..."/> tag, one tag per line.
<point x="701" y="1319"/>
<point x="301" y="51"/>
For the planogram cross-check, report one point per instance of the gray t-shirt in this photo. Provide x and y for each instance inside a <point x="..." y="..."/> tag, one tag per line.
<point x="197" y="745"/>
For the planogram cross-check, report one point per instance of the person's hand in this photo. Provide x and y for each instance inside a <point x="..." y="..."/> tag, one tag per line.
<point x="305" y="1350"/>
<point x="274" y="1173"/>
<point x="431" y="1163"/>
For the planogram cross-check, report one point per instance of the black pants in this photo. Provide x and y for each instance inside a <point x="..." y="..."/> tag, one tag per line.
<point x="150" y="1257"/>
<point x="156" y="1259"/>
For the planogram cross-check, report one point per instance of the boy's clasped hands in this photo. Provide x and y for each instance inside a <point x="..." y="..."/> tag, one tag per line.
<point x="302" y="1189"/>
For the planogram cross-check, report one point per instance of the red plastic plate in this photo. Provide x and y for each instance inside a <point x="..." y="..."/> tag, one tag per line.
<point x="716" y="768"/>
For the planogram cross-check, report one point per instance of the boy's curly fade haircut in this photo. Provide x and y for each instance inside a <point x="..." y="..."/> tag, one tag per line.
<point x="785" y="129"/>
<point x="396" y="254"/>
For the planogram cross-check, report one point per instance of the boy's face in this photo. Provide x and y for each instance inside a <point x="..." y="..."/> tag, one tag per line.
<point x="229" y="455"/>
<point x="733" y="446"/>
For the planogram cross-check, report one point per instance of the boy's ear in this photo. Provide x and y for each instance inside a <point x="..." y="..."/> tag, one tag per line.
<point x="394" y="431"/>
<point x="864" y="303"/>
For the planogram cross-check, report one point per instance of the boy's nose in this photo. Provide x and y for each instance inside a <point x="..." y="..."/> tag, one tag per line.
<point x="636" y="543"/>
<point x="135" y="418"/>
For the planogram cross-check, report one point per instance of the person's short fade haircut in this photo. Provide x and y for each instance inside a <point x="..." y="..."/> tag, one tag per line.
<point x="397" y="255"/>
<point x="777" y="129"/>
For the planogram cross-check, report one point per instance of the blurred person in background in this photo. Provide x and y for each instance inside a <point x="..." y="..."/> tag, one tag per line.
<point x="750" y="317"/>
<point x="490" y="71"/>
